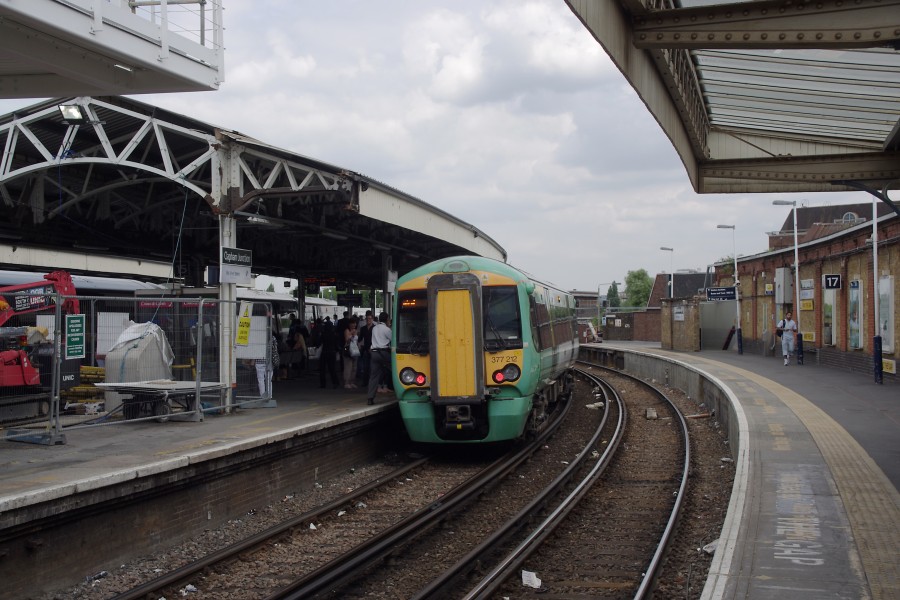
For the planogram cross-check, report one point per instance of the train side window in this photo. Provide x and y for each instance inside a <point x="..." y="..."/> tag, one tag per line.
<point x="545" y="324"/>
<point x="502" y="321"/>
<point x="535" y="336"/>
<point x="412" y="322"/>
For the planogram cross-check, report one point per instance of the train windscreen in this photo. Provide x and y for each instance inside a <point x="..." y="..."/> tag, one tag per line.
<point x="502" y="319"/>
<point x="412" y="323"/>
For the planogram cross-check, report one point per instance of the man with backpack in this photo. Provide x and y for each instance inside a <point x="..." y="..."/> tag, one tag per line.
<point x="787" y="329"/>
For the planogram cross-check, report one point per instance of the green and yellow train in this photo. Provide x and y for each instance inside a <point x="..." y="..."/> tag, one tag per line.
<point x="482" y="352"/>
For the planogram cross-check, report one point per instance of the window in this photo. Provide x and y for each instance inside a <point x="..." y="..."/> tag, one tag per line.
<point x="886" y="313"/>
<point x="829" y="324"/>
<point x="854" y="316"/>
<point x="502" y="321"/>
<point x="412" y="322"/>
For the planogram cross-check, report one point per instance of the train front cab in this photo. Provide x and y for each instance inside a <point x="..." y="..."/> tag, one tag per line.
<point x="455" y="385"/>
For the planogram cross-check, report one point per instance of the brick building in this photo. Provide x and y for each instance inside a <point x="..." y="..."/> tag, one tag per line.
<point x="836" y="315"/>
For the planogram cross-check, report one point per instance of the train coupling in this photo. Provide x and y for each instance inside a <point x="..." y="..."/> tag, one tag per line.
<point x="458" y="417"/>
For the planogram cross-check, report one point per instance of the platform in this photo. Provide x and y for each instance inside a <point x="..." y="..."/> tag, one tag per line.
<point x="815" y="510"/>
<point x="34" y="473"/>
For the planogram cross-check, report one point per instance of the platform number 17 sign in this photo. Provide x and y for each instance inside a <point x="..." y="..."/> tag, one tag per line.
<point x="832" y="282"/>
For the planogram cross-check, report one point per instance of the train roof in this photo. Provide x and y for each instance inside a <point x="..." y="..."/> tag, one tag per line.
<point x="479" y="263"/>
<point x="84" y="284"/>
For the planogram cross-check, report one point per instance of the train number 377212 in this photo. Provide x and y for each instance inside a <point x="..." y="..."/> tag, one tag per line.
<point x="504" y="359"/>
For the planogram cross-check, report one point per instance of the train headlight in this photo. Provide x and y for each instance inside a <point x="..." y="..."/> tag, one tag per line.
<point x="510" y="372"/>
<point x="410" y="376"/>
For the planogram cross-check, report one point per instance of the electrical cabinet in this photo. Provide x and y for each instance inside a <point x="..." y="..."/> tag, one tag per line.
<point x="784" y="286"/>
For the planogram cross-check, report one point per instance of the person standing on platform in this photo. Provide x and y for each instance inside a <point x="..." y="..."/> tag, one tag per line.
<point x="266" y="367"/>
<point x="365" y="345"/>
<point x="380" y="366"/>
<point x="351" y="355"/>
<point x="788" y="329"/>
<point x="328" y="357"/>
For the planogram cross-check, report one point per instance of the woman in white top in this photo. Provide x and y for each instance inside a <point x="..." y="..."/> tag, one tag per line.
<point x="351" y="354"/>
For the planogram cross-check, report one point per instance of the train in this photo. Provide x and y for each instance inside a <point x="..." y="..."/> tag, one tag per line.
<point x="481" y="351"/>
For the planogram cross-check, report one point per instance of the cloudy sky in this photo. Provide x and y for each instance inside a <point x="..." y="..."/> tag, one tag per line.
<point x="504" y="113"/>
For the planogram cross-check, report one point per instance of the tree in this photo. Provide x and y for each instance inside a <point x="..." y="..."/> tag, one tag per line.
<point x="271" y="287"/>
<point x="638" y="285"/>
<point x="612" y="295"/>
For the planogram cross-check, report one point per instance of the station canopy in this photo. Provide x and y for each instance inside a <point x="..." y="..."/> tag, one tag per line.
<point x="765" y="96"/>
<point x="133" y="180"/>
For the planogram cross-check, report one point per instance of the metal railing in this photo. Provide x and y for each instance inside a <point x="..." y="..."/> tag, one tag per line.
<point x="126" y="359"/>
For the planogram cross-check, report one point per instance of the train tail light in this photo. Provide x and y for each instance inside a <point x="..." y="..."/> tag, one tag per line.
<point x="508" y="373"/>
<point x="410" y="376"/>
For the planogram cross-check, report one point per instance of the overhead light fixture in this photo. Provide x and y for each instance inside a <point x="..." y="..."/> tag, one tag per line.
<point x="124" y="67"/>
<point x="381" y="247"/>
<point x="334" y="236"/>
<point x="263" y="221"/>
<point x="72" y="113"/>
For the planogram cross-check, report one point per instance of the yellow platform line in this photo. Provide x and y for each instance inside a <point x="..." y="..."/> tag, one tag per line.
<point x="870" y="499"/>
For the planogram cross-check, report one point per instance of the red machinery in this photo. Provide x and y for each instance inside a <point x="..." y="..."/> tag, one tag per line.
<point x="18" y="373"/>
<point x="16" y="369"/>
<point x="38" y="296"/>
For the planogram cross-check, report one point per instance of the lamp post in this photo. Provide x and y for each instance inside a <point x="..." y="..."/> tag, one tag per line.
<point x="793" y="203"/>
<point x="737" y="296"/>
<point x="672" y="284"/>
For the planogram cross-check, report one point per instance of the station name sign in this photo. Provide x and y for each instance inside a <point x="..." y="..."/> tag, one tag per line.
<point x="721" y="293"/>
<point x="236" y="264"/>
<point x="237" y="256"/>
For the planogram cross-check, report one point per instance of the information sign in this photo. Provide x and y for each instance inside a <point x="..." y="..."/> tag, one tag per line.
<point x="74" y="336"/>
<point x="243" y="330"/>
<point x="721" y="293"/>
<point x="832" y="282"/>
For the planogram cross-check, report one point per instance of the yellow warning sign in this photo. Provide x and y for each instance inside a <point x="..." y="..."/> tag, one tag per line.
<point x="243" y="328"/>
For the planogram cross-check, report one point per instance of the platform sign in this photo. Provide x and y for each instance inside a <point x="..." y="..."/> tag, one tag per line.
<point x="236" y="264"/>
<point x="74" y="336"/>
<point x="832" y="282"/>
<point x="721" y="293"/>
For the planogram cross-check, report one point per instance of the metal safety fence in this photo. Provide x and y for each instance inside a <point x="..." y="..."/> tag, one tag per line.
<point x="88" y="361"/>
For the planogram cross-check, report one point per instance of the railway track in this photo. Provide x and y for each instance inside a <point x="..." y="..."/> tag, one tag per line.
<point x="369" y="515"/>
<point x="479" y="540"/>
<point x="615" y="534"/>
<point x="542" y="521"/>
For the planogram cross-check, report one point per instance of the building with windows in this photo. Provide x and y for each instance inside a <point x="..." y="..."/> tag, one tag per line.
<point x="838" y="289"/>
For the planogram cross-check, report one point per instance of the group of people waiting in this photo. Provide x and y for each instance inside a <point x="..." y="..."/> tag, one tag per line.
<point x="349" y="350"/>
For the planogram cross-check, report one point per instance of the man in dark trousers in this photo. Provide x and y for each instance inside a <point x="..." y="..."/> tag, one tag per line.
<point x="328" y="358"/>
<point x="380" y="366"/>
<point x="365" y="345"/>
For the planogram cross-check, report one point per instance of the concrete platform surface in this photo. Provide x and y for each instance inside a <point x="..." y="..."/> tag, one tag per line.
<point x="815" y="511"/>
